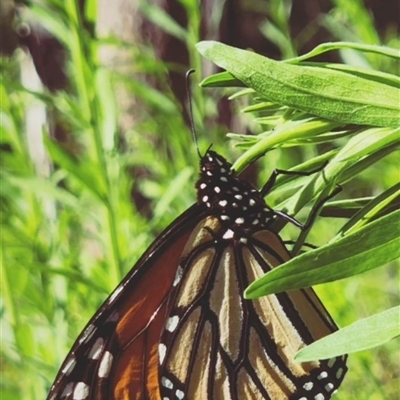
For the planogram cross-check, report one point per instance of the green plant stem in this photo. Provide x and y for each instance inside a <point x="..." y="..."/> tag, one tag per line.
<point x="85" y="89"/>
<point x="6" y="292"/>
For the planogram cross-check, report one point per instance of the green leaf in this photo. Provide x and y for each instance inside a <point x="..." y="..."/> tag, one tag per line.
<point x="162" y="19"/>
<point x="292" y="131"/>
<point x="43" y="188"/>
<point x="373" y="245"/>
<point x="330" y="94"/>
<point x="361" y="335"/>
<point x="24" y="339"/>
<point x="370" y="74"/>
<point x="367" y="48"/>
<point x="370" y="210"/>
<point x="86" y="173"/>
<point x="368" y="142"/>
<point x="174" y="189"/>
<point x="222" y="79"/>
<point x="107" y="118"/>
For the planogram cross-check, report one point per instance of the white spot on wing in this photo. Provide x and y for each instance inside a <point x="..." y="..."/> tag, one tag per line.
<point x="166" y="383"/>
<point x="339" y="373"/>
<point x="223" y="203"/>
<point x="319" y="396"/>
<point x="308" y="385"/>
<point x="224" y="218"/>
<point x="205" y="198"/>
<point x="203" y="186"/>
<point x="322" y="375"/>
<point x="217" y="189"/>
<point x="331" y="362"/>
<point x="178" y="276"/>
<point x="172" y="323"/>
<point x="179" y="394"/>
<point x="67" y="390"/>
<point x="239" y="220"/>
<point x="329" y="387"/>
<point x="223" y="179"/>
<point x="243" y="240"/>
<point x="116" y="292"/>
<point x="87" y="334"/>
<point x="228" y="234"/>
<point x="96" y="349"/>
<point x="238" y="196"/>
<point x="81" y="391"/>
<point x="105" y="365"/>
<point x="69" y="366"/>
<point x="162" y="350"/>
<point x="113" y="317"/>
<point x="252" y="202"/>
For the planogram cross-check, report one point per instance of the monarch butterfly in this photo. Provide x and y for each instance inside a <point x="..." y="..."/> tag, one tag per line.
<point x="178" y="327"/>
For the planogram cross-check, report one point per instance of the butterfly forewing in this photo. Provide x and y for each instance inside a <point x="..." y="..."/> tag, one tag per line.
<point x="116" y="355"/>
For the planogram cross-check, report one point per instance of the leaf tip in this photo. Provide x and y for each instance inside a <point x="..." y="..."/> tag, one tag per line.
<point x="204" y="45"/>
<point x="249" y="294"/>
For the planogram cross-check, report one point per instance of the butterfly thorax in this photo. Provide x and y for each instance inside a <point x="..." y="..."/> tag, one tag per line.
<point x="237" y="204"/>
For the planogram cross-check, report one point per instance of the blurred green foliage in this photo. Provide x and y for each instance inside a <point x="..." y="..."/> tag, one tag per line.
<point x="70" y="230"/>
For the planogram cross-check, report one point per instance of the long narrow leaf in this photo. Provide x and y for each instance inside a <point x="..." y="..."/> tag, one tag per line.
<point x="370" y="247"/>
<point x="324" y="92"/>
<point x="86" y="174"/>
<point x="361" y="335"/>
<point x="367" y="48"/>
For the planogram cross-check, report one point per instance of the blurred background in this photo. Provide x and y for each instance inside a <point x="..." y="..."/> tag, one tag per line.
<point x="97" y="157"/>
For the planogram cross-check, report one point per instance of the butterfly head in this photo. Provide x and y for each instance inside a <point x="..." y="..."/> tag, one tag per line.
<point x="237" y="204"/>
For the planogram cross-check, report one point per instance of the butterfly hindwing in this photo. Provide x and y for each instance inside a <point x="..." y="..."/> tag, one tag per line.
<point x="218" y="345"/>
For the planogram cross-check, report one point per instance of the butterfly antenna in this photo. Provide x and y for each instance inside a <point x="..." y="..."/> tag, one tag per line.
<point x="189" y="96"/>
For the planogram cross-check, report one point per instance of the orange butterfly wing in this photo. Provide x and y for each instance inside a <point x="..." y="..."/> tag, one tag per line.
<point x="116" y="354"/>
